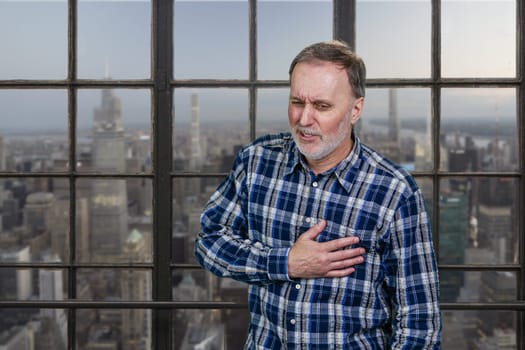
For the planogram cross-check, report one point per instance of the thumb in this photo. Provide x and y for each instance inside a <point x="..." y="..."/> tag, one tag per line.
<point x="314" y="231"/>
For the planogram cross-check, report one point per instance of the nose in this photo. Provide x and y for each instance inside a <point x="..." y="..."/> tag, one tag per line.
<point x="307" y="115"/>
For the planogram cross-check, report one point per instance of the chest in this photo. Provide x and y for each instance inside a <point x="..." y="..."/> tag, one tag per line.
<point x="280" y="209"/>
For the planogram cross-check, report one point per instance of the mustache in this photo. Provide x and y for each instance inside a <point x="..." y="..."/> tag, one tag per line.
<point x="308" y="131"/>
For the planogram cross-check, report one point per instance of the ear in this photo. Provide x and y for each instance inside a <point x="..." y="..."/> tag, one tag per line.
<point x="356" y="110"/>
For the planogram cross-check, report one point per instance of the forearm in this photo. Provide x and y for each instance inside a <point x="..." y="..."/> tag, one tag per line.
<point x="227" y="255"/>
<point x="223" y="245"/>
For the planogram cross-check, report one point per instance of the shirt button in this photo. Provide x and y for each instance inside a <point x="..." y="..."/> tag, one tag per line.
<point x="297" y="286"/>
<point x="292" y="321"/>
<point x="315" y="184"/>
<point x="307" y="220"/>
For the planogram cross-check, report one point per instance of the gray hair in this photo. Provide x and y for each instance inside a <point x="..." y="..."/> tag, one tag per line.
<point x="339" y="53"/>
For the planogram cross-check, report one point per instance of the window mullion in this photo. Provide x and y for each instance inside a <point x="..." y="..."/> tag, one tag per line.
<point x="345" y="21"/>
<point x="72" y="118"/>
<point x="162" y="66"/>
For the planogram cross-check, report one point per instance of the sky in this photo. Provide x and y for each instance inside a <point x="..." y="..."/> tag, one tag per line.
<point x="211" y="41"/>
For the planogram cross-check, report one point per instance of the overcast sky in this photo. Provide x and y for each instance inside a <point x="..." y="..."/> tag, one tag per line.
<point x="211" y="41"/>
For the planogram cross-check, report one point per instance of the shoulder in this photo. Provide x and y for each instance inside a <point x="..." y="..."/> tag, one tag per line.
<point x="271" y="145"/>
<point x="387" y="171"/>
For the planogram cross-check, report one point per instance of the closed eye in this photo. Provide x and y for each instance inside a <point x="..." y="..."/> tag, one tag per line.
<point x="322" y="106"/>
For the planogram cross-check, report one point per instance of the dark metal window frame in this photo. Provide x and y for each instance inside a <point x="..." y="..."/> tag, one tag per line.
<point x="162" y="84"/>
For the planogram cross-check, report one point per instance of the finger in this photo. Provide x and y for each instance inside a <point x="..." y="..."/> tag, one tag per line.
<point x="340" y="243"/>
<point x="345" y="254"/>
<point x="314" y="231"/>
<point x="341" y="272"/>
<point x="347" y="263"/>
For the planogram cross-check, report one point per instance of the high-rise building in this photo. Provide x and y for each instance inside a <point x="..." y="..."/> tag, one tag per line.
<point x="136" y="285"/>
<point x="51" y="287"/>
<point x="393" y="117"/>
<point x="15" y="284"/>
<point x="196" y="152"/>
<point x="10" y="213"/>
<point x="389" y="143"/>
<point x="37" y="211"/>
<point x="108" y="205"/>
<point x="16" y="338"/>
<point x="3" y="154"/>
<point x="453" y="234"/>
<point x="193" y="185"/>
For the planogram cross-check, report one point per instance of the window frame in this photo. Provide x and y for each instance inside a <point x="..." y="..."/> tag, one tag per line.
<point x="162" y="85"/>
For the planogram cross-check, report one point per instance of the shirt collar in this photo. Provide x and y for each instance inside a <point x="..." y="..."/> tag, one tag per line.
<point x="345" y="171"/>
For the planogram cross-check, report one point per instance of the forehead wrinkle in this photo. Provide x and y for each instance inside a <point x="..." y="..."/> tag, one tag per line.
<point x="317" y="84"/>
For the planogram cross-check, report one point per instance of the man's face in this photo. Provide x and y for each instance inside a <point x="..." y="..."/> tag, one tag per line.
<point x="321" y="111"/>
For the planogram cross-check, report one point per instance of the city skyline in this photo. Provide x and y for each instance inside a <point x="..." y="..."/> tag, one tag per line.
<point x="100" y="215"/>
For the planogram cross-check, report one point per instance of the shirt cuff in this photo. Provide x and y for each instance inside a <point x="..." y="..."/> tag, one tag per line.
<point x="278" y="264"/>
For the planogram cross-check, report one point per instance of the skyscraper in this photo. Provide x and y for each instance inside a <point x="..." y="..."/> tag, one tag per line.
<point x="16" y="284"/>
<point x="136" y="285"/>
<point x="3" y="154"/>
<point x="108" y="205"/>
<point x="393" y="118"/>
<point x="453" y="234"/>
<point x="193" y="186"/>
<point x="37" y="211"/>
<point x="196" y="152"/>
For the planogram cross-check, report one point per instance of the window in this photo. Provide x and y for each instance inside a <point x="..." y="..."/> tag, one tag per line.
<point x="119" y="119"/>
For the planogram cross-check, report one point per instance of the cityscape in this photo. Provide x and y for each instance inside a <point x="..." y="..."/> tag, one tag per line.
<point x="477" y="225"/>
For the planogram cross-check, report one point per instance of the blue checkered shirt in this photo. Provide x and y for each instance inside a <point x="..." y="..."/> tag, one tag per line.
<point x="270" y="197"/>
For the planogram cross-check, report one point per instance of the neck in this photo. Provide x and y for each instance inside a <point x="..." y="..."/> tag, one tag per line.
<point x="319" y="166"/>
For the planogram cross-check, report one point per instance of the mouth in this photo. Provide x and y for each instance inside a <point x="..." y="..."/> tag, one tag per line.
<point x="307" y="135"/>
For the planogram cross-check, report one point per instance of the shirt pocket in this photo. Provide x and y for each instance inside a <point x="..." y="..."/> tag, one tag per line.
<point x="368" y="239"/>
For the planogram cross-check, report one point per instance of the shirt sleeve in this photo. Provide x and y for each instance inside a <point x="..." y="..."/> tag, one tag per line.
<point x="223" y="246"/>
<point x="413" y="279"/>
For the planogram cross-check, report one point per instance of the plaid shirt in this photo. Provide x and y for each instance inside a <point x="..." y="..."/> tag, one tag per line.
<point x="271" y="197"/>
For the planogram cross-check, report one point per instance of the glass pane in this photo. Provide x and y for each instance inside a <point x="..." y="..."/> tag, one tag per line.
<point x="201" y="285"/>
<point x="114" y="131"/>
<point x="114" y="222"/>
<point x="31" y="284"/>
<point x="210" y="125"/>
<point x="286" y="27"/>
<point x="114" y="39"/>
<point x="478" y="130"/>
<point x="113" y="329"/>
<point x="107" y="284"/>
<point x="34" y="222"/>
<point x="479" y="330"/>
<point x="33" y="39"/>
<point x="33" y="137"/>
<point x="476" y="286"/>
<point x="219" y="329"/>
<point x="397" y="123"/>
<point x="190" y="195"/>
<point x="478" y="221"/>
<point x="478" y="38"/>
<point x="211" y="39"/>
<point x="393" y="38"/>
<point x="272" y="111"/>
<point x="23" y="328"/>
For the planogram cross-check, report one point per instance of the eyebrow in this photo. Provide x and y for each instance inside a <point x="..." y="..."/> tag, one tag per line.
<point x="319" y="100"/>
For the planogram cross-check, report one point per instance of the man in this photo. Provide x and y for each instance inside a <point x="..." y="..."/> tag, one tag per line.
<point x="332" y="238"/>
